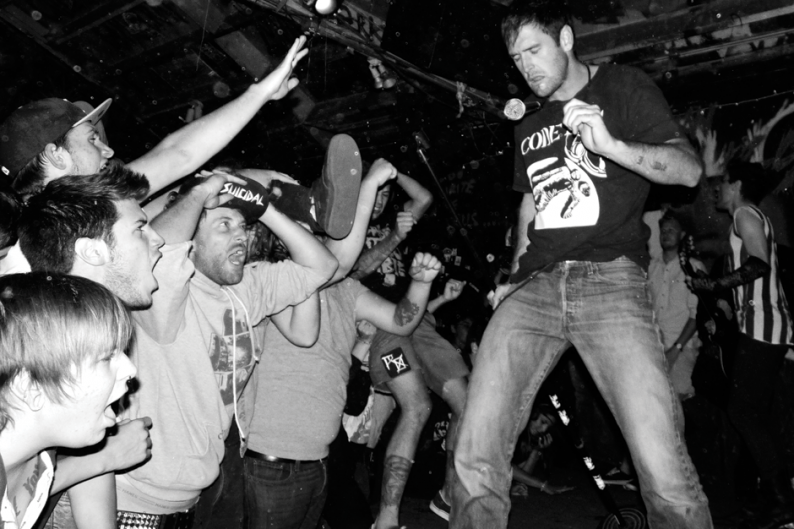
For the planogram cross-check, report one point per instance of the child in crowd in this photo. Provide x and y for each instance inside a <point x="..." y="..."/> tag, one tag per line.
<point x="62" y="365"/>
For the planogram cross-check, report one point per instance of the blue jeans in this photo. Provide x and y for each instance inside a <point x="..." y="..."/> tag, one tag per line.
<point x="604" y="310"/>
<point x="284" y="495"/>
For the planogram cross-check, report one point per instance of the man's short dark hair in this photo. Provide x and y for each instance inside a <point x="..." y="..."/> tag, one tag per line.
<point x="670" y="216"/>
<point x="754" y="178"/>
<point x="74" y="207"/>
<point x="549" y="15"/>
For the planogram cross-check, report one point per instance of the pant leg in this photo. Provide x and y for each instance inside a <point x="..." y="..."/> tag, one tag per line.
<point x="610" y="320"/>
<point x="221" y="504"/>
<point x="521" y="345"/>
<point x="755" y="371"/>
<point x="284" y="496"/>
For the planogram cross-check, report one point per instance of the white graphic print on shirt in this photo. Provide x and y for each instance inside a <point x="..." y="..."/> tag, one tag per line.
<point x="221" y="356"/>
<point x="564" y="193"/>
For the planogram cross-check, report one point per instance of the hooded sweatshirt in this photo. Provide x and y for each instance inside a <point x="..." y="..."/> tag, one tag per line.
<point x="195" y="352"/>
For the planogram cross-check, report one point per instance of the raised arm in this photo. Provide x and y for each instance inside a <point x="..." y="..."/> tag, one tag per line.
<point x="303" y="247"/>
<point x="348" y="249"/>
<point x="187" y="149"/>
<point x="403" y="317"/>
<point x="452" y="290"/>
<point x="672" y="162"/>
<point x="178" y="222"/>
<point x="419" y="201"/>
<point x="420" y="198"/>
<point x="300" y="324"/>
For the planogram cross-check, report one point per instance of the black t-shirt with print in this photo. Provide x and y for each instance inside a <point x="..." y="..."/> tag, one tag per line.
<point x="587" y="207"/>
<point x="390" y="280"/>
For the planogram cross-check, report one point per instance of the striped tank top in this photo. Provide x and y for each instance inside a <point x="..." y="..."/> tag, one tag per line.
<point x="761" y="308"/>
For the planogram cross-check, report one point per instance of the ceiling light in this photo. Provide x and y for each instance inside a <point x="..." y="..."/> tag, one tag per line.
<point x="323" y="7"/>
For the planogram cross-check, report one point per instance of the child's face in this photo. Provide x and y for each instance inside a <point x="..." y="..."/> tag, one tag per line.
<point x="85" y="412"/>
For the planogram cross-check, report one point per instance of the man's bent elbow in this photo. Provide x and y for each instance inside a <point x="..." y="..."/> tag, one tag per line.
<point x="691" y="177"/>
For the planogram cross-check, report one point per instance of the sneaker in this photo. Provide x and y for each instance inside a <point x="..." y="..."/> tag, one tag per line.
<point x="335" y="193"/>
<point x="439" y="506"/>
<point x="618" y="477"/>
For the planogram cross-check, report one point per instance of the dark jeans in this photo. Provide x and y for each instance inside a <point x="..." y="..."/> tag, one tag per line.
<point x="284" y="495"/>
<point x="347" y="506"/>
<point x="221" y="504"/>
<point x="755" y="372"/>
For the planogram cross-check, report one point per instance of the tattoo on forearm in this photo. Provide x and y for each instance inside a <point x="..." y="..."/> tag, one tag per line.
<point x="639" y="160"/>
<point x="405" y="312"/>
<point x="395" y="476"/>
<point x="659" y="166"/>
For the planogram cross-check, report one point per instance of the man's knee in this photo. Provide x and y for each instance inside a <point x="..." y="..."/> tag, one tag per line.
<point x="417" y="408"/>
<point x="454" y="394"/>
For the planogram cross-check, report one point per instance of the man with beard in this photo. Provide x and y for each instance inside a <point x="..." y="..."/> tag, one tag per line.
<point x="196" y="347"/>
<point x="584" y="161"/>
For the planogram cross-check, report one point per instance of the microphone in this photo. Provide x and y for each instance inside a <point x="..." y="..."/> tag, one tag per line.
<point x="421" y="140"/>
<point x="515" y="109"/>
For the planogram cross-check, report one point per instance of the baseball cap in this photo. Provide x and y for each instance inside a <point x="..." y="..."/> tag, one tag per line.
<point x="250" y="198"/>
<point x="29" y="129"/>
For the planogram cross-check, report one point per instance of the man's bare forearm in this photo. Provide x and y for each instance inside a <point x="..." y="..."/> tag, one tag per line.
<point x="420" y="197"/>
<point x="303" y="247"/>
<point x="525" y="216"/>
<point x="409" y="310"/>
<point x="665" y="163"/>
<point x="178" y="223"/>
<point x="372" y="258"/>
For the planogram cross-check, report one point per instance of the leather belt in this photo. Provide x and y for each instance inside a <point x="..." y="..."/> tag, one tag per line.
<point x="273" y="459"/>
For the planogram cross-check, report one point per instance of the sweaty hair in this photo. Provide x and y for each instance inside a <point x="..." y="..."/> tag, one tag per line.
<point x="50" y="325"/>
<point x="30" y="179"/>
<point x="74" y="207"/>
<point x="754" y="178"/>
<point x="549" y="15"/>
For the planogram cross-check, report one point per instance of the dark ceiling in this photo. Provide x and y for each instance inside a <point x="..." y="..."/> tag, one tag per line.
<point x="162" y="59"/>
<point x="157" y="58"/>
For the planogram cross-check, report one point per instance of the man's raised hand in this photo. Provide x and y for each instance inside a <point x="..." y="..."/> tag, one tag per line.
<point x="588" y="122"/>
<point x="278" y="82"/>
<point x="424" y="268"/>
<point x="213" y="185"/>
<point x="453" y="289"/>
<point x="381" y="172"/>
<point x="404" y="224"/>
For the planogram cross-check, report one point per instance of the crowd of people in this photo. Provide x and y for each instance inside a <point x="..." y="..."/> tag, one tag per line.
<point x="186" y="351"/>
